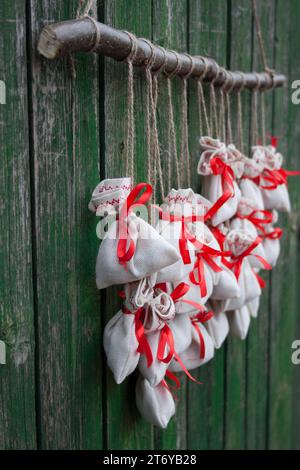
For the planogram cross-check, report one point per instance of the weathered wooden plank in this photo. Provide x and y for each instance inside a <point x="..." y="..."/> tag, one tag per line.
<point x="125" y="428"/>
<point x="207" y="36"/>
<point x="17" y="410"/>
<point x="170" y="31"/>
<point x="235" y="396"/>
<point x="257" y="343"/>
<point x="285" y="279"/>
<point x="66" y="159"/>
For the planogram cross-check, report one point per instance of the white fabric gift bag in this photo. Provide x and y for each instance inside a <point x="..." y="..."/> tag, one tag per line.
<point x="242" y="244"/>
<point x="249" y="188"/>
<point x="247" y="219"/>
<point x="271" y="240"/>
<point x="131" y="249"/>
<point x="177" y="216"/>
<point x="217" y="327"/>
<point x="200" y="351"/>
<point x="253" y="307"/>
<point x="273" y="183"/>
<point x="120" y="341"/>
<point x="220" y="166"/>
<point x="155" y="404"/>
<point x="172" y="336"/>
<point x="239" y="322"/>
<point x="180" y="331"/>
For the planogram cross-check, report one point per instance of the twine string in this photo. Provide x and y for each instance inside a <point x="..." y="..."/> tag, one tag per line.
<point x="130" y="136"/>
<point x="213" y="107"/>
<point x="263" y="117"/>
<point x="153" y="149"/>
<point x="254" y="113"/>
<point x="261" y="44"/>
<point x="172" y="144"/>
<point x="184" y="149"/>
<point x="202" y="108"/>
<point x="240" y="130"/>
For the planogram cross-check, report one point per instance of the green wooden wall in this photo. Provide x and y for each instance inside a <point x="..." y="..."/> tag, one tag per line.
<point x="57" y="135"/>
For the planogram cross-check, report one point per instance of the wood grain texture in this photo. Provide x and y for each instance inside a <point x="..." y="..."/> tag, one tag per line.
<point x="17" y="386"/>
<point x="283" y="417"/>
<point x="258" y="339"/>
<point x="124" y="427"/>
<point x="66" y="160"/>
<point x="170" y="23"/>
<point x="207" y="36"/>
<point x="60" y="134"/>
<point x="235" y="358"/>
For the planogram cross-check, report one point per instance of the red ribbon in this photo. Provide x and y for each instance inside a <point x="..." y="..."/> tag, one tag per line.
<point x="201" y="317"/>
<point x="259" y="222"/>
<point x="205" y="255"/>
<point x="221" y="168"/>
<point x="179" y="292"/>
<point x="274" y="178"/>
<point x="143" y="347"/>
<point x="165" y="339"/>
<point x="125" y="254"/>
<point x="260" y="280"/>
<point x="185" y="235"/>
<point x="170" y="387"/>
<point x="236" y="266"/>
<point x="274" y="235"/>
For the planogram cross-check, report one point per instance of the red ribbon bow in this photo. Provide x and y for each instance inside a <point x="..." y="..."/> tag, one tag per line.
<point x="143" y="347"/>
<point x="185" y="235"/>
<point x="179" y="292"/>
<point x="201" y="317"/>
<point x="259" y="222"/>
<point x="274" y="234"/>
<point x="166" y="336"/>
<point x="206" y="254"/>
<point x="125" y="254"/>
<point x="221" y="168"/>
<point x="237" y="263"/>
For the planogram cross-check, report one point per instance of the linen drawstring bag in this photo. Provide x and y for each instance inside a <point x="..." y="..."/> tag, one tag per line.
<point x="273" y="179"/>
<point x="225" y="283"/>
<point x="155" y="404"/>
<point x="179" y="333"/>
<point x="217" y="327"/>
<point x="201" y="349"/>
<point x="131" y="248"/>
<point x="242" y="244"/>
<point x="239" y="322"/>
<point x="271" y="240"/>
<point x="177" y="216"/>
<point x="253" y="307"/>
<point x="249" y="189"/>
<point x="173" y="336"/>
<point x="120" y="341"/>
<point x="249" y="219"/>
<point x="220" y="168"/>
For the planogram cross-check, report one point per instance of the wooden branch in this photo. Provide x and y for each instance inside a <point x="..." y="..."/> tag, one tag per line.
<point x="59" y="39"/>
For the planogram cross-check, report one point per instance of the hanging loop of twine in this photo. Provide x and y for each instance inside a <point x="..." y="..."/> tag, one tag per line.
<point x="98" y="33"/>
<point x="201" y="100"/>
<point x="82" y="11"/>
<point x="254" y="126"/>
<point x="184" y="149"/>
<point x="261" y="41"/>
<point x="225" y="92"/>
<point x="130" y="142"/>
<point x="240" y="131"/>
<point x="153" y="149"/>
<point x="172" y="144"/>
<point x="213" y="106"/>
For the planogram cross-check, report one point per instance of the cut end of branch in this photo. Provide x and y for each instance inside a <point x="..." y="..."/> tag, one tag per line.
<point x="48" y="45"/>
